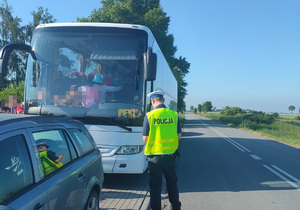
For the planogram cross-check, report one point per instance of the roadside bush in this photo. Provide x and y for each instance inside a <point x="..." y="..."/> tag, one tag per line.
<point x="232" y="111"/>
<point x="260" y="118"/>
<point x="235" y="120"/>
<point x="181" y="118"/>
<point x="266" y="125"/>
<point x="248" y="124"/>
<point x="237" y="117"/>
<point x="275" y="115"/>
<point x="13" y="89"/>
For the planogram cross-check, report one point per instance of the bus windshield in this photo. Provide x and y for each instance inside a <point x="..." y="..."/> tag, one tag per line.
<point x="87" y="73"/>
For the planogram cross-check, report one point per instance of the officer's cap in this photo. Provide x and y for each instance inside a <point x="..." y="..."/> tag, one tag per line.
<point x="42" y="144"/>
<point x="156" y="94"/>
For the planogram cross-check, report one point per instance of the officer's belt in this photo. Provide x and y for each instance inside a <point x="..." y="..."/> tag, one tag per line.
<point x="151" y="156"/>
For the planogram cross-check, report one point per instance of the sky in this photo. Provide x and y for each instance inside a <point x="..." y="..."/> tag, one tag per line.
<point x="243" y="53"/>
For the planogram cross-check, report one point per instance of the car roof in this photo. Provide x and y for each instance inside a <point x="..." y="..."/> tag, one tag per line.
<point x="9" y="122"/>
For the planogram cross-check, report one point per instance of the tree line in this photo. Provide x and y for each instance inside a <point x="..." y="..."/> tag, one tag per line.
<point x="205" y="107"/>
<point x="12" y="31"/>
<point x="229" y="111"/>
<point x="143" y="12"/>
<point x="292" y="108"/>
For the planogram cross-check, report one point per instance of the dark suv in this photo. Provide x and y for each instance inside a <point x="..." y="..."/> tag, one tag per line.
<point x="48" y="163"/>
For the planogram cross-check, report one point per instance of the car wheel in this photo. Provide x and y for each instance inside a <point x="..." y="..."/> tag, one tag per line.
<point x="93" y="201"/>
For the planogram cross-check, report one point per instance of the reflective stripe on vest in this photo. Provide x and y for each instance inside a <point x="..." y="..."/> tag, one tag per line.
<point x="48" y="165"/>
<point x="163" y="138"/>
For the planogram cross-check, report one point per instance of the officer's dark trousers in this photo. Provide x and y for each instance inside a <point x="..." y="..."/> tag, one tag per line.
<point x="157" y="166"/>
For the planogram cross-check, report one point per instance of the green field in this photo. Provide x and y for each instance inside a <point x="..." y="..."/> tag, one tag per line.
<point x="288" y="116"/>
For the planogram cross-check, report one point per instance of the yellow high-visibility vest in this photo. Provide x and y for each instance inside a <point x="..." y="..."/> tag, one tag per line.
<point x="163" y="138"/>
<point x="48" y="165"/>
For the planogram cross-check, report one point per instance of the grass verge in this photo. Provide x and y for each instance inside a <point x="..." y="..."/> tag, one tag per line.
<point x="282" y="129"/>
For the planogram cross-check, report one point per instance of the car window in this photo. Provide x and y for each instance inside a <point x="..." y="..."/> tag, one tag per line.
<point x="81" y="140"/>
<point x="16" y="171"/>
<point x="53" y="149"/>
<point x="71" y="147"/>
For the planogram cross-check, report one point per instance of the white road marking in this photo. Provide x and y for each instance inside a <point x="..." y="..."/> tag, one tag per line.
<point x="255" y="157"/>
<point x="234" y="143"/>
<point x="287" y="174"/>
<point x="294" y="182"/>
<point x="282" y="177"/>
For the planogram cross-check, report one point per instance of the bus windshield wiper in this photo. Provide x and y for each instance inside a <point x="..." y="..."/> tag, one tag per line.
<point x="107" y="121"/>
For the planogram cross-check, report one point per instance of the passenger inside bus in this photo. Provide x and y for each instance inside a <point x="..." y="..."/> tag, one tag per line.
<point x="59" y="82"/>
<point x="95" y="93"/>
<point x="109" y="82"/>
<point x="108" y="75"/>
<point x="78" y="79"/>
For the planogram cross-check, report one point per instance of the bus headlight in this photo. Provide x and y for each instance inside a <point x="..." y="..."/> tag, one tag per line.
<point x="130" y="149"/>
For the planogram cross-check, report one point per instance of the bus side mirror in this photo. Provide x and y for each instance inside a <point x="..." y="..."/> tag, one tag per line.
<point x="151" y="65"/>
<point x="4" y="55"/>
<point x="7" y="50"/>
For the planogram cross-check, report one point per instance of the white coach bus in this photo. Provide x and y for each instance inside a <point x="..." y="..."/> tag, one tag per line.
<point x="100" y="74"/>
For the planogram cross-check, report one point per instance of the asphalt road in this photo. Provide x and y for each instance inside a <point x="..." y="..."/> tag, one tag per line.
<point x="225" y="168"/>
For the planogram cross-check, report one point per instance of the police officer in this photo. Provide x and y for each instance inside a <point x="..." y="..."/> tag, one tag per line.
<point x="161" y="132"/>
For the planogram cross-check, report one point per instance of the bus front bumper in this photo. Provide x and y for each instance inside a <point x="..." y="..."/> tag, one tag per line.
<point x="125" y="164"/>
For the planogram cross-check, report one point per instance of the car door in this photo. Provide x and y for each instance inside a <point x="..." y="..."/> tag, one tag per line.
<point x="19" y="176"/>
<point x="66" y="184"/>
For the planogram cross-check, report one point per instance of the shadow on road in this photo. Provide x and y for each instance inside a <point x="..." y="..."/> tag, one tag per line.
<point x="126" y="181"/>
<point x="211" y="164"/>
<point x="124" y="191"/>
